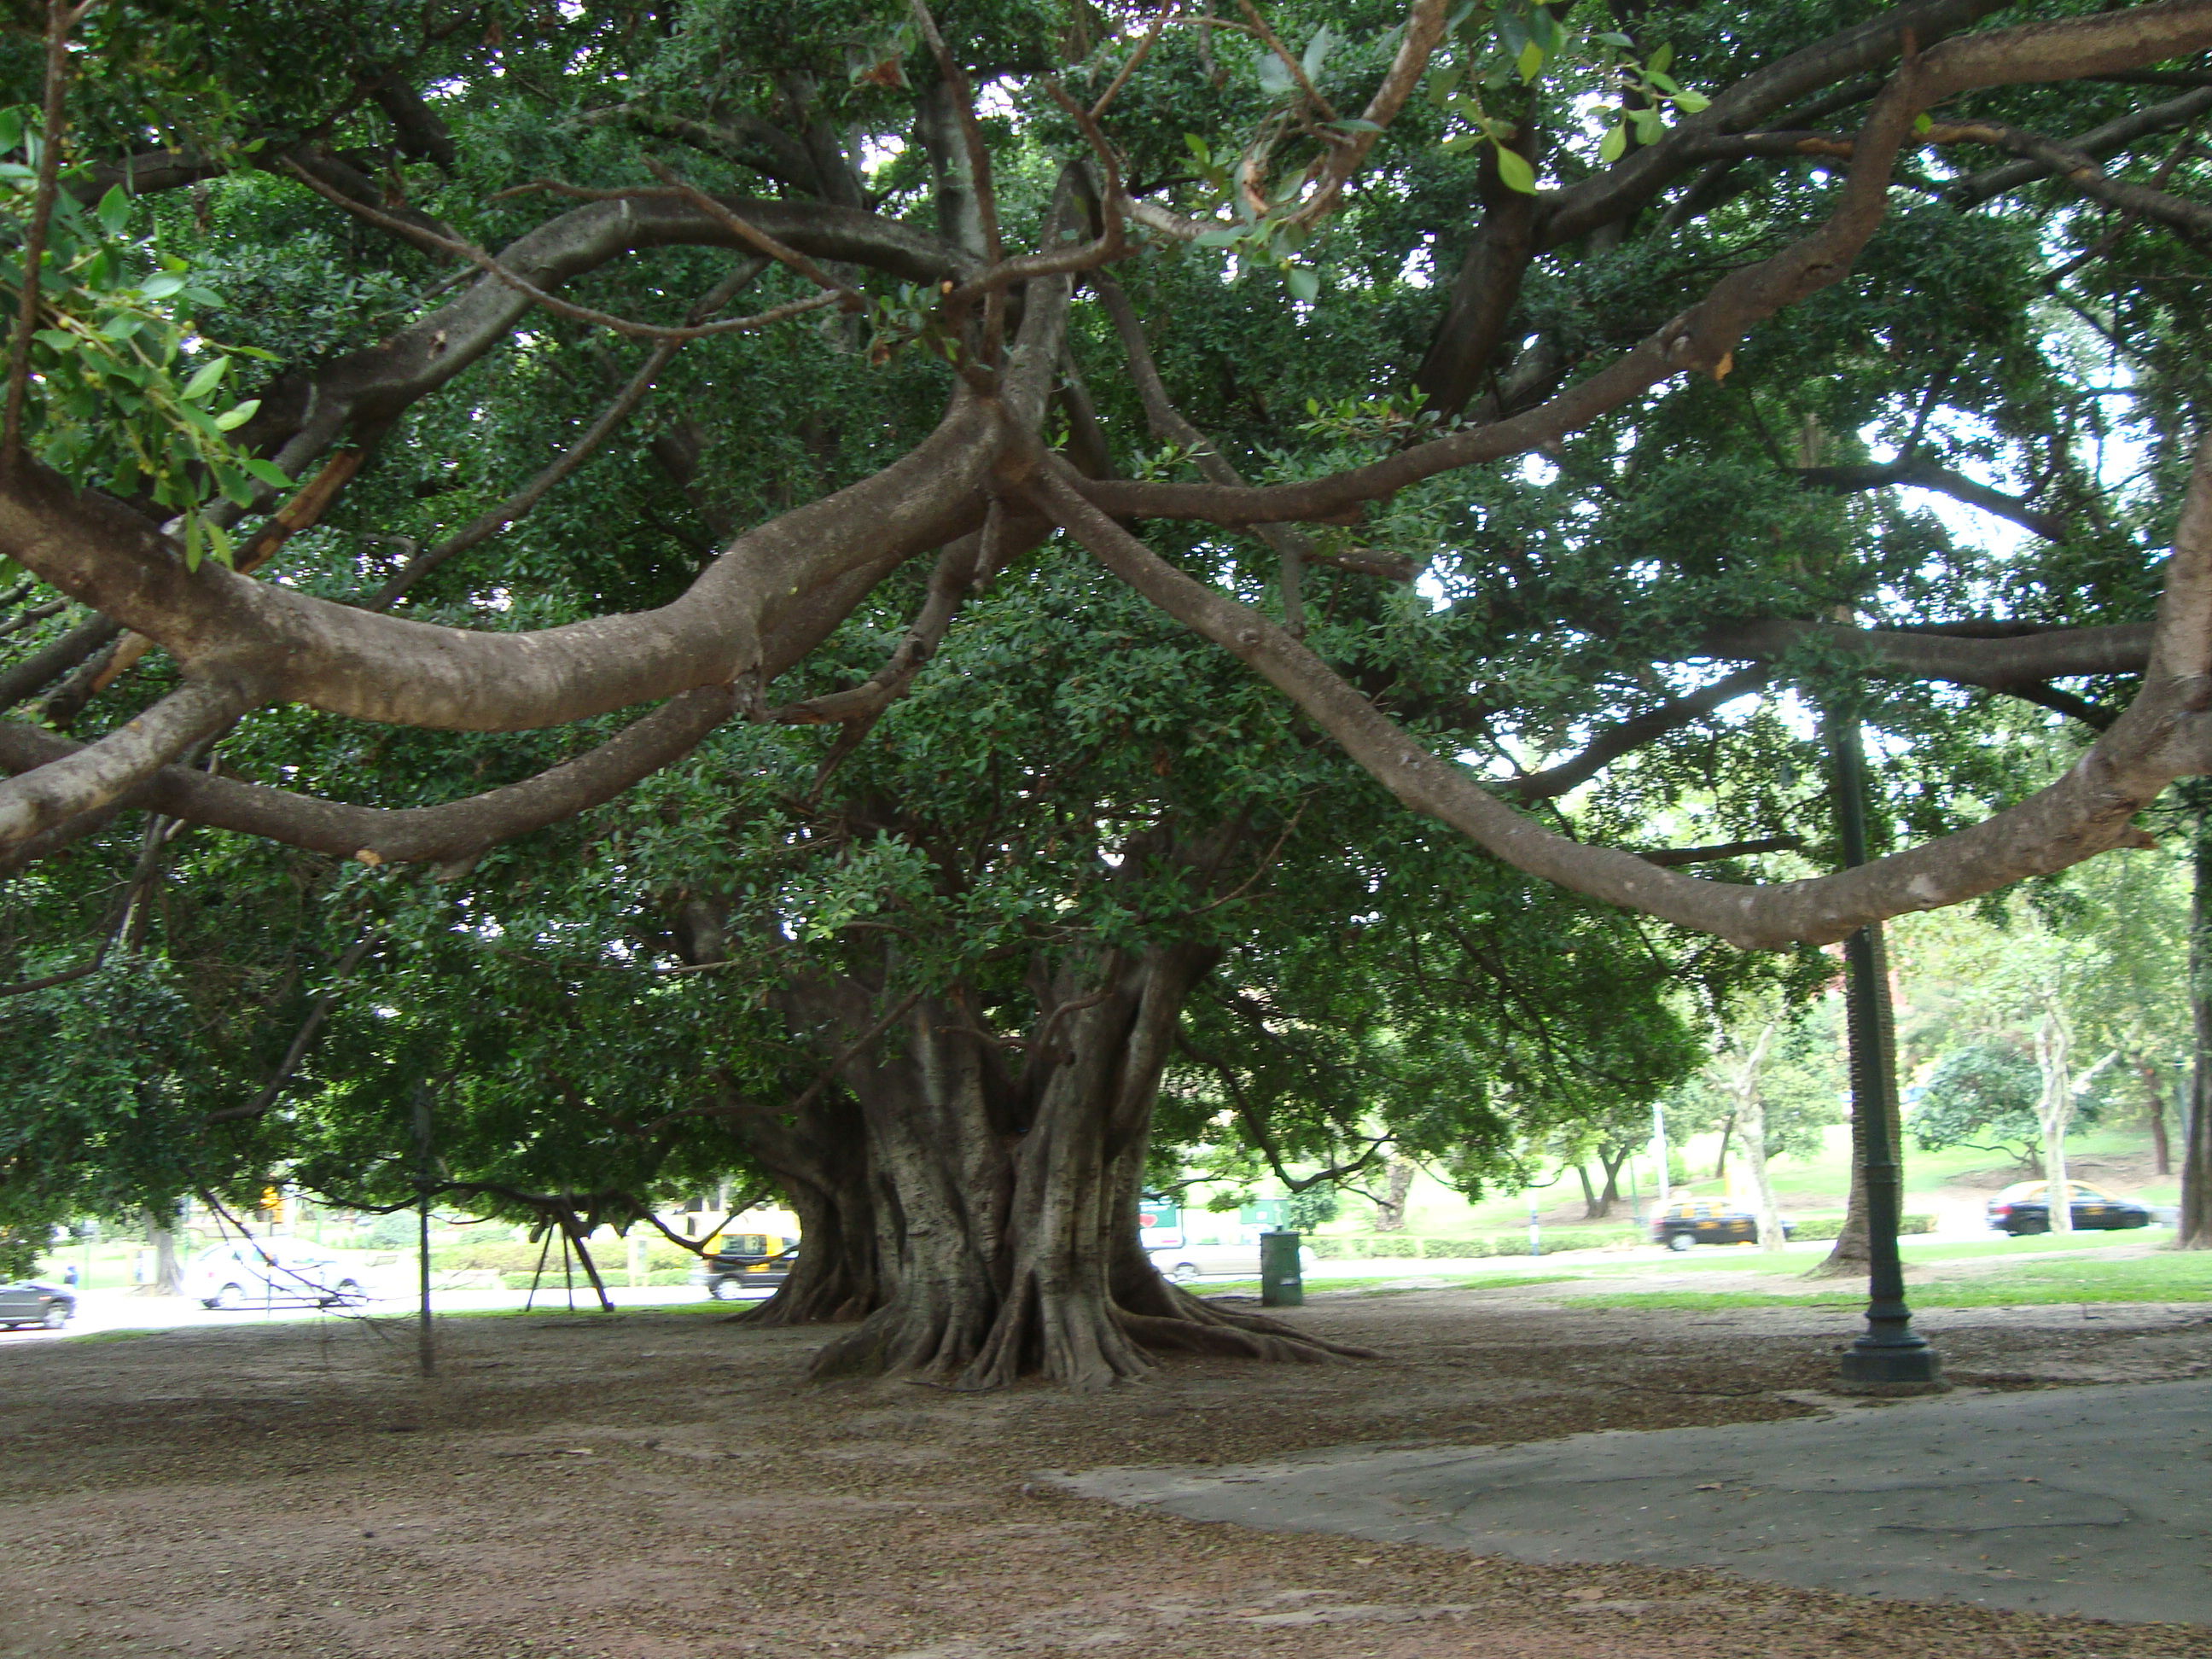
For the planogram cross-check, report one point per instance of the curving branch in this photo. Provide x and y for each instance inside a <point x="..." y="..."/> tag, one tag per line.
<point x="1999" y="664"/>
<point x="447" y="834"/>
<point x="483" y="527"/>
<point x="1631" y="735"/>
<point x="1704" y="337"/>
<point x="2098" y="142"/>
<point x="2164" y="734"/>
<point x="88" y="779"/>
<point x="374" y="667"/>
<point x="1926" y="475"/>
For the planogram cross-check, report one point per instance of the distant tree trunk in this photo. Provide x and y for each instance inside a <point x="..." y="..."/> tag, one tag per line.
<point x="169" y="1264"/>
<point x="1720" y="1161"/>
<point x="1612" y="1164"/>
<point x="1750" y="1116"/>
<point x="1596" y="1205"/>
<point x="2054" y="1111"/>
<point x="2196" y="1228"/>
<point x="2154" y="1115"/>
<point x="1391" y="1211"/>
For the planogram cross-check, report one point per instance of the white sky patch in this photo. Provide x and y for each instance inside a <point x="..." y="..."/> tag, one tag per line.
<point x="879" y="151"/>
<point x="1420" y="269"/>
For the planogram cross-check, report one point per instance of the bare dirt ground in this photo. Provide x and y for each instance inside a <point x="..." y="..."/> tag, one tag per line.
<point x="662" y="1486"/>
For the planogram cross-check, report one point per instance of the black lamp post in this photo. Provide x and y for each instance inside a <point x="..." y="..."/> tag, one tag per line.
<point x="1890" y="1352"/>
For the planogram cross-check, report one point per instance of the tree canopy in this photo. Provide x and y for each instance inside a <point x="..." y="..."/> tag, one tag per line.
<point x="1254" y="552"/>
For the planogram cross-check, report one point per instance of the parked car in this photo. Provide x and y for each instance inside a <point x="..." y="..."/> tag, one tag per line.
<point x="2025" y="1207"/>
<point x="746" y="1262"/>
<point x="31" y="1301"/>
<point x="1691" y="1221"/>
<point x="265" y="1273"/>
<point x="1183" y="1261"/>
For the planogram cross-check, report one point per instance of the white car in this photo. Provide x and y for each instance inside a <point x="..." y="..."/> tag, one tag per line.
<point x="1185" y="1261"/>
<point x="265" y="1273"/>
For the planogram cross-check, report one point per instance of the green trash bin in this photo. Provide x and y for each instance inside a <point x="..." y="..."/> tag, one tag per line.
<point x="1281" y="1283"/>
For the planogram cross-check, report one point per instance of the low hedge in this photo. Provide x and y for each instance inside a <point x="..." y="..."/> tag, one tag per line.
<point x="616" y="1279"/>
<point x="1830" y="1226"/>
<point x="1421" y="1247"/>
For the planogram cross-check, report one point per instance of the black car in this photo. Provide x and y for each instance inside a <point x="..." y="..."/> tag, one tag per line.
<point x="1691" y="1221"/>
<point x="30" y="1302"/>
<point x="746" y="1261"/>
<point x="2025" y="1207"/>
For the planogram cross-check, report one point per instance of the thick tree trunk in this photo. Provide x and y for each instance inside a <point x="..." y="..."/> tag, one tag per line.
<point x="820" y="1160"/>
<point x="2196" y="1225"/>
<point x="983" y="1226"/>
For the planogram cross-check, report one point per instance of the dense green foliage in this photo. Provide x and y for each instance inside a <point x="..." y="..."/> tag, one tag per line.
<point x="1054" y="778"/>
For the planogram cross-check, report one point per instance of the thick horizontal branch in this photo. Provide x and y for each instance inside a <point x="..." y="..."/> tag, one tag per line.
<point x="374" y="667"/>
<point x="1926" y="475"/>
<point x="2000" y="664"/>
<point x="1670" y="858"/>
<point x="2098" y="142"/>
<point x="444" y="834"/>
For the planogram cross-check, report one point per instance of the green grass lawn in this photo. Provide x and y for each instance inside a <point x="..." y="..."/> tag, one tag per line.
<point x="1744" y="1259"/>
<point x="1817" y="1185"/>
<point x="2168" y="1276"/>
<point x="1374" y="1287"/>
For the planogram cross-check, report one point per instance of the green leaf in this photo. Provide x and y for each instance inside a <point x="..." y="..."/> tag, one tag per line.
<point x="267" y="471"/>
<point x="1650" y="125"/>
<point x="1275" y="78"/>
<point x="1198" y="147"/>
<point x="1610" y="39"/>
<point x="160" y="285"/>
<point x="1923" y="122"/>
<point x="1460" y="141"/>
<point x="206" y="379"/>
<point x="114" y="211"/>
<point x="1219" y="236"/>
<point x="1662" y="58"/>
<point x="193" y="534"/>
<point x="219" y="543"/>
<point x="1316" y="51"/>
<point x="56" y="340"/>
<point x="1514" y="169"/>
<point x="1691" y="103"/>
<point x="1303" y="281"/>
<point x="237" y="416"/>
<point x="1615" y="144"/>
<point x="11" y="127"/>
<point x="1531" y="61"/>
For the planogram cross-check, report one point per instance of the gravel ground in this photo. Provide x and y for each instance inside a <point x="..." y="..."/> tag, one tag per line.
<point x="660" y="1485"/>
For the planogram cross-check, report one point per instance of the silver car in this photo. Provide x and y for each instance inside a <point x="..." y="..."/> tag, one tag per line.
<point x="1187" y="1261"/>
<point x="265" y="1273"/>
<point x="28" y="1301"/>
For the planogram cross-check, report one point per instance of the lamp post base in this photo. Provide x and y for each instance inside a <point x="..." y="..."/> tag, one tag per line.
<point x="1891" y="1368"/>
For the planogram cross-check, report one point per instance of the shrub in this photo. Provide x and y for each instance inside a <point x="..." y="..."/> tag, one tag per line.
<point x="1364" y="1248"/>
<point x="1819" y="1228"/>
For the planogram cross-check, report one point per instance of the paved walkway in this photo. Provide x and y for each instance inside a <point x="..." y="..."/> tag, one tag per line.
<point x="2095" y="1501"/>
